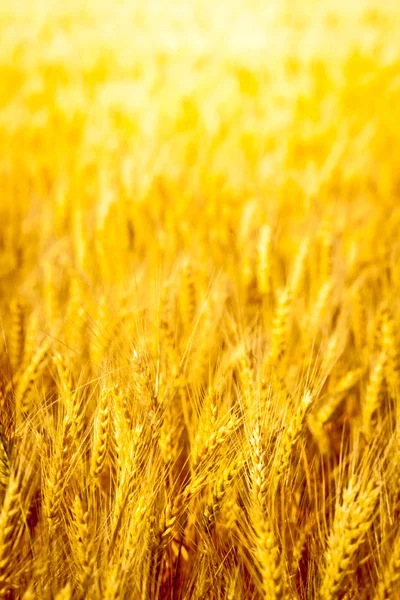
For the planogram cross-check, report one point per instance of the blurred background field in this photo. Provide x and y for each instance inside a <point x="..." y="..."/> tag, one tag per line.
<point x="196" y="101"/>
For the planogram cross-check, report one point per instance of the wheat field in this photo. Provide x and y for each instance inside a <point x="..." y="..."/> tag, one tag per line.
<point x="199" y="300"/>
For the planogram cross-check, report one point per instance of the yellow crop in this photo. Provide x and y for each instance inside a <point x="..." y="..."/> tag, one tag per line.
<point x="199" y="299"/>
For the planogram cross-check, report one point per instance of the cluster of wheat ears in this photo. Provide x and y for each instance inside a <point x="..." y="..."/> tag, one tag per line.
<point x="199" y="296"/>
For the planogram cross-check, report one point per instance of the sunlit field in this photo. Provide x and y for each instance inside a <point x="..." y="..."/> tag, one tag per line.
<point x="199" y="300"/>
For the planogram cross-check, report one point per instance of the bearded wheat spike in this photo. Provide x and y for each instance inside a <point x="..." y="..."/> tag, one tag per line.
<point x="9" y="532"/>
<point x="17" y="334"/>
<point x="299" y="268"/>
<point x="333" y="350"/>
<point x="373" y="393"/>
<point x="376" y="336"/>
<point x="211" y="402"/>
<point x="314" y="320"/>
<point x="246" y="374"/>
<point x="127" y="464"/>
<point x="71" y="398"/>
<point x="170" y="434"/>
<point x="208" y="417"/>
<point x="329" y="406"/>
<point x="28" y="379"/>
<point x="5" y="462"/>
<point x="269" y="561"/>
<point x="351" y="523"/>
<point x="141" y="379"/>
<point x="31" y="330"/>
<point x="223" y="485"/>
<point x="65" y="375"/>
<point x="259" y="464"/>
<point x="172" y="512"/>
<point x="121" y="430"/>
<point x="82" y="543"/>
<point x="212" y="443"/>
<point x="179" y="505"/>
<point x="267" y="551"/>
<point x="349" y="380"/>
<point x="101" y="435"/>
<point x="136" y="526"/>
<point x="280" y="326"/>
<point x="58" y="469"/>
<point x="389" y="585"/>
<point x="290" y="437"/>
<point x="112" y="586"/>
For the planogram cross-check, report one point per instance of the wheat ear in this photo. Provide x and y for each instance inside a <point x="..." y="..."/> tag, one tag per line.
<point x="280" y="326"/>
<point x="373" y="393"/>
<point x="213" y="507"/>
<point x="352" y="521"/>
<point x="58" y="470"/>
<point x="9" y="532"/>
<point x="266" y="549"/>
<point x="290" y="437"/>
<point x="101" y="435"/>
<point x="389" y="585"/>
<point x="81" y="542"/>
<point x="17" y="334"/>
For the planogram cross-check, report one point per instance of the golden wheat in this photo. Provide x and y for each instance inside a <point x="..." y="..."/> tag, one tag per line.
<point x="199" y="300"/>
